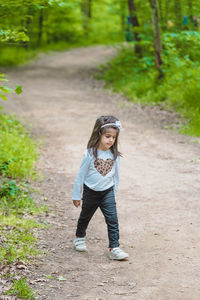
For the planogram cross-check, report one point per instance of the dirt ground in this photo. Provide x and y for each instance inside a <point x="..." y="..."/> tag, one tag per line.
<point x="158" y="199"/>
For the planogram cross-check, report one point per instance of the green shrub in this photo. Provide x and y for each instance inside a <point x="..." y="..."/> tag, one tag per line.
<point x="15" y="55"/>
<point x="18" y="152"/>
<point x="138" y="80"/>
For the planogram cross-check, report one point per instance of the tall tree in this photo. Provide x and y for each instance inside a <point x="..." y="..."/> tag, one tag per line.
<point x="178" y="13"/>
<point x="190" y="6"/>
<point x="41" y="20"/>
<point x="123" y="6"/>
<point x="87" y="14"/>
<point x="135" y="23"/>
<point x="157" y="40"/>
<point x="162" y="21"/>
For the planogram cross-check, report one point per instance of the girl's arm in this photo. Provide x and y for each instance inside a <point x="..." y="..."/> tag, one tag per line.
<point x="116" y="176"/>
<point x="78" y="185"/>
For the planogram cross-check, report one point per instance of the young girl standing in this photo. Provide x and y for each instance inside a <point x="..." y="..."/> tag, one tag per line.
<point x="99" y="178"/>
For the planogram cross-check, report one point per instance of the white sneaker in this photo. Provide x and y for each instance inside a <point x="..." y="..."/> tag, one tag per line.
<point x="79" y="244"/>
<point x="117" y="254"/>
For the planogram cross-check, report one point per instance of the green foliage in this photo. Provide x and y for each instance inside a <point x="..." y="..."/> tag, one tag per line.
<point x="183" y="44"/>
<point x="18" y="154"/>
<point x="18" y="151"/>
<point x="19" y="244"/>
<point x="27" y="26"/>
<point x="4" y="90"/>
<point x="13" y="35"/>
<point x="21" y="289"/>
<point x="127" y="74"/>
<point x="18" y="241"/>
<point x="18" y="89"/>
<point x="179" y="89"/>
<point x="9" y="189"/>
<point x="15" y="55"/>
<point x="15" y="198"/>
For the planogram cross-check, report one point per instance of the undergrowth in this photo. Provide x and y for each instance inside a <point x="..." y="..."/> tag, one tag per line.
<point x="18" y="155"/>
<point x="137" y="78"/>
<point x="18" y="151"/>
<point x="15" y="55"/>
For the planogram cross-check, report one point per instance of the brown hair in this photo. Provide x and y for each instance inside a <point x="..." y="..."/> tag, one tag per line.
<point x="98" y="131"/>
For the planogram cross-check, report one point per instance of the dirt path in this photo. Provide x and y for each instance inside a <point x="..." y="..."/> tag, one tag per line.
<point x="158" y="199"/>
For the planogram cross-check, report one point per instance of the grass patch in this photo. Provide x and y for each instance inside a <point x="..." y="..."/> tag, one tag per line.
<point x="15" y="55"/>
<point x="19" y="244"/>
<point x="17" y="207"/>
<point x="15" y="198"/>
<point x="18" y="151"/>
<point x="18" y="155"/>
<point x="21" y="289"/>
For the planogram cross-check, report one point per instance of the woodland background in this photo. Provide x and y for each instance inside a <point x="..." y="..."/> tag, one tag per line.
<point x="159" y="57"/>
<point x="157" y="63"/>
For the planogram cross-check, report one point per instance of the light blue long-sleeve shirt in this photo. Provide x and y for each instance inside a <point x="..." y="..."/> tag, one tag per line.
<point x="98" y="174"/>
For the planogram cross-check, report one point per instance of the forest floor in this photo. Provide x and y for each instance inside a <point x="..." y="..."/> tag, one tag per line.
<point x="158" y="199"/>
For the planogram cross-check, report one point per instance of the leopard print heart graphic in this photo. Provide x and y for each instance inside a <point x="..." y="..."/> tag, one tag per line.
<point x="103" y="166"/>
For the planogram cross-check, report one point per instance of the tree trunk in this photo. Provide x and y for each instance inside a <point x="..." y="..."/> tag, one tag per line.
<point x="87" y="14"/>
<point x="166" y="9"/>
<point x="162" y="21"/>
<point x="135" y="23"/>
<point x="190" y="6"/>
<point x="123" y="14"/>
<point x="89" y="9"/>
<point x="178" y="14"/>
<point x="157" y="40"/>
<point x="29" y="17"/>
<point x="41" y="20"/>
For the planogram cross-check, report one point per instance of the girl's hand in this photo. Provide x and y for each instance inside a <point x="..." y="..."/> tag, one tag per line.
<point x="77" y="202"/>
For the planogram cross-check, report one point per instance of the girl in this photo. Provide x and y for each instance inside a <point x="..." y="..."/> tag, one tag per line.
<point x="99" y="177"/>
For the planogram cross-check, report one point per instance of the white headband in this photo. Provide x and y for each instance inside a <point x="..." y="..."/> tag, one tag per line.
<point x="116" y="124"/>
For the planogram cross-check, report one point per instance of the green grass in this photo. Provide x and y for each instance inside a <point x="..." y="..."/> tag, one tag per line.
<point x="16" y="199"/>
<point x="18" y="240"/>
<point x="19" y="244"/>
<point x="18" y="152"/>
<point x="15" y="55"/>
<point x="21" y="289"/>
<point x="137" y="79"/>
<point x="18" y="155"/>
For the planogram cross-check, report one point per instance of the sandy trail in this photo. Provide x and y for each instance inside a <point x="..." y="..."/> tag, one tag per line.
<point x="158" y="198"/>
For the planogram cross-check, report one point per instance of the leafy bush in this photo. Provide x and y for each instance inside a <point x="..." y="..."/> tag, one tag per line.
<point x="18" y="152"/>
<point x="138" y="80"/>
<point x="183" y="44"/>
<point x="14" y="55"/>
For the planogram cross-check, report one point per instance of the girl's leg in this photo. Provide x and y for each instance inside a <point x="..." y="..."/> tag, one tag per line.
<point x="108" y="208"/>
<point x="89" y="206"/>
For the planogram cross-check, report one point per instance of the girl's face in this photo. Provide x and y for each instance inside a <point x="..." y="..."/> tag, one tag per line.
<point x="107" y="139"/>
